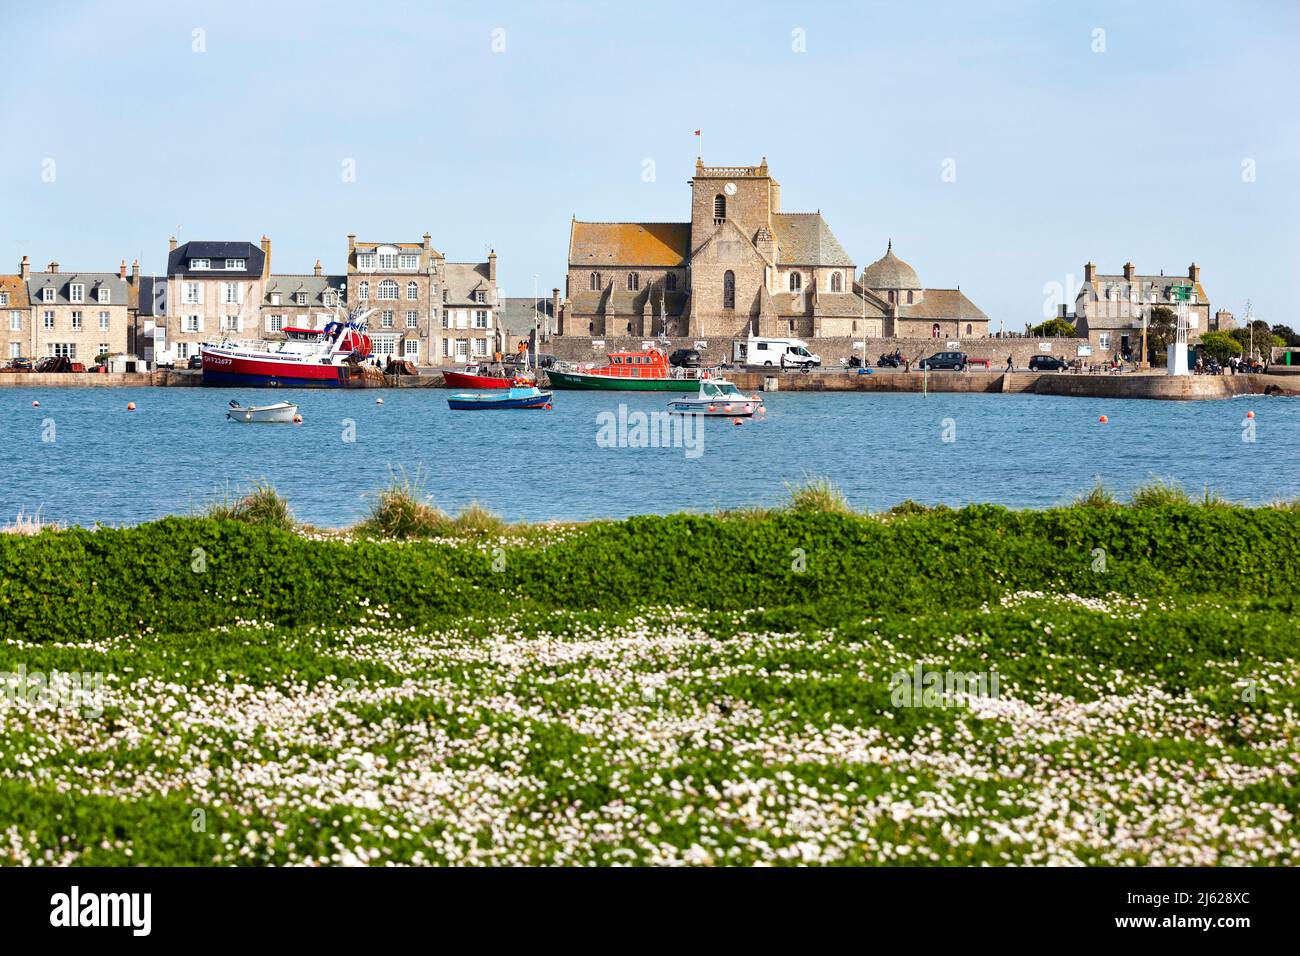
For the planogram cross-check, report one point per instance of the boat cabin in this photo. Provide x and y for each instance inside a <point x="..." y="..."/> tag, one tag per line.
<point x="650" y="364"/>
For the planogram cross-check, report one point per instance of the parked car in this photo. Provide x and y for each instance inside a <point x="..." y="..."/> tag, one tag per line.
<point x="196" y="361"/>
<point x="956" y="361"/>
<point x="19" y="364"/>
<point x="1046" y="363"/>
<point x="685" y="358"/>
<point x="546" y="360"/>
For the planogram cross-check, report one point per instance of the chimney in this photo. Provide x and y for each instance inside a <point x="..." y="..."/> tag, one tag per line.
<point x="135" y="270"/>
<point x="428" y="242"/>
<point x="1128" y="271"/>
<point x="53" y="267"/>
<point x="171" y="244"/>
<point x="266" y="257"/>
<point x="555" y="309"/>
<point x="25" y="269"/>
<point x="121" y="270"/>
<point x="492" y="266"/>
<point x="1089" y="271"/>
<point x="316" y="270"/>
<point x="1194" y="272"/>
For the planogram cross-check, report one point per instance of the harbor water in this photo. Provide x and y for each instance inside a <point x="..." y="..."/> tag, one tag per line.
<point x="81" y="457"/>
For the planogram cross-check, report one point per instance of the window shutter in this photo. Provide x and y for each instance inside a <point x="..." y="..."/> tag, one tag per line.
<point x="200" y="288"/>
<point x="239" y="323"/>
<point x="239" y="292"/>
<point x="200" y="317"/>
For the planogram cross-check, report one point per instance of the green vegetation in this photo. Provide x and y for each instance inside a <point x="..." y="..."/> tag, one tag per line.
<point x="1058" y="328"/>
<point x="261" y="506"/>
<point x="1098" y="496"/>
<point x="1220" y="345"/>
<point x="405" y="510"/>
<point x="817" y="496"/>
<point x="692" y="689"/>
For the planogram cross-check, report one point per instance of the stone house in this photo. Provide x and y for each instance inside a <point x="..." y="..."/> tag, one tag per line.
<point x="302" y="302"/>
<point x="1108" y="309"/>
<point x="470" y="328"/>
<point x="403" y="283"/>
<point x="79" y="315"/>
<point x="16" y="318"/>
<point x="213" y="292"/>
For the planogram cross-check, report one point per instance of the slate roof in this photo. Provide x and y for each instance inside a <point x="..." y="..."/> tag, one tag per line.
<point x="315" y="286"/>
<point x="16" y="287"/>
<point x="941" y="304"/>
<point x="462" y="279"/>
<point x="516" y="315"/>
<point x="650" y="244"/>
<point x="890" y="272"/>
<point x="153" y="296"/>
<point x="804" y="239"/>
<point x="178" y="260"/>
<point x="60" y="281"/>
<point x="1143" y="285"/>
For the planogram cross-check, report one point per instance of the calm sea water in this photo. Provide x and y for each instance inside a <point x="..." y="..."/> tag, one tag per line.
<point x="82" y="457"/>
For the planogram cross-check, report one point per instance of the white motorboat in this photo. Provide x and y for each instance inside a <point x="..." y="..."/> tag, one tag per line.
<point x="718" y="397"/>
<point x="281" y="413"/>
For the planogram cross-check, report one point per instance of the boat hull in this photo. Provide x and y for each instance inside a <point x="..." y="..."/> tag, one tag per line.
<point x="465" y="380"/>
<point x="479" y="403"/>
<point x="283" y="413"/>
<point x="221" y="370"/>
<point x="587" y="380"/>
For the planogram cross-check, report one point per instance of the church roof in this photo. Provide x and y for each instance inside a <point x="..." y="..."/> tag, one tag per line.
<point x="890" y="272"/>
<point x="804" y="239"/>
<point x="649" y="244"/>
<point x="611" y="302"/>
<point x="942" y="304"/>
<point x="847" y="305"/>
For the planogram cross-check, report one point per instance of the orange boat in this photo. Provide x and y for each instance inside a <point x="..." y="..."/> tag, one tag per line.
<point x="646" y="371"/>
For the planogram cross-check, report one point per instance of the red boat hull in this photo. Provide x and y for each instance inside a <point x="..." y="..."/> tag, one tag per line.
<point x="232" y="370"/>
<point x="453" y="379"/>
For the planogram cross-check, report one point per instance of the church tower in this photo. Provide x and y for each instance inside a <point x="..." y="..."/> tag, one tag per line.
<point x="744" y="195"/>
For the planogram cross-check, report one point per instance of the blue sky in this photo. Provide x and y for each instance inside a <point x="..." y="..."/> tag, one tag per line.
<point x="1061" y="154"/>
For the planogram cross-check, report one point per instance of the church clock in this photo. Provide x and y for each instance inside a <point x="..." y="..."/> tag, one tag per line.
<point x="729" y="189"/>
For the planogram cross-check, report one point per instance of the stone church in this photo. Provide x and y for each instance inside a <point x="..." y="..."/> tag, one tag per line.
<point x="742" y="266"/>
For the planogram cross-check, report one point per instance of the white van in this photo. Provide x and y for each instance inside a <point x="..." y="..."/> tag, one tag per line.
<point x="783" y="353"/>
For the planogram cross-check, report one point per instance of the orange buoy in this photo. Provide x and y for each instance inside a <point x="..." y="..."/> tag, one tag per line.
<point x="1250" y="414"/>
<point x="547" y="406"/>
<point x="737" y="421"/>
<point x="379" y="401"/>
<point x="36" y="404"/>
<point x="754" y="396"/>
<point x="297" y="419"/>
<point x="761" y="410"/>
<point x="130" y="406"/>
<point x="713" y="408"/>
<point x="1103" y="419"/>
<point x="727" y="407"/>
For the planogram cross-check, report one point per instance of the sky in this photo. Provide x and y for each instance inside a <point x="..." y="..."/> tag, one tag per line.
<point x="1000" y="145"/>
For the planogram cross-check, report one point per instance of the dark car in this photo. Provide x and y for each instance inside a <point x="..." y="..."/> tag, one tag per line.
<point x="685" y="358"/>
<point x="1046" y="363"/>
<point x="942" y="360"/>
<point x="196" y="361"/>
<point x="20" y="365"/>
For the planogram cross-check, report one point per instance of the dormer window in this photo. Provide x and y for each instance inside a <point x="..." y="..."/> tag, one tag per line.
<point x="236" y="264"/>
<point x="480" y="296"/>
<point x="105" y="294"/>
<point x="331" y="298"/>
<point x="275" y="298"/>
<point x="199" y="265"/>
<point x="388" y="260"/>
<point x="76" y="292"/>
<point x="300" y="298"/>
<point x="365" y="260"/>
<point x="47" y="294"/>
<point x="409" y="261"/>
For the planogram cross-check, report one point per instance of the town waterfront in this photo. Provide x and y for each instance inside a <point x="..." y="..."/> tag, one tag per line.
<point x="82" y="458"/>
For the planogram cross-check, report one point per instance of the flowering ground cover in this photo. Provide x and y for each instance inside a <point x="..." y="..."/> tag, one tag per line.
<point x="1120" y="730"/>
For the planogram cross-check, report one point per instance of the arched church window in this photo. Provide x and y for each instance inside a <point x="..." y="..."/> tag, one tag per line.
<point x="595" y="281"/>
<point x="633" y="281"/>
<point x="729" y="290"/>
<point x="969" y="329"/>
<point x="719" y="209"/>
<point x="671" y="282"/>
<point x="934" y="331"/>
<point x="837" y="282"/>
<point x="909" y="298"/>
<point x="796" y="282"/>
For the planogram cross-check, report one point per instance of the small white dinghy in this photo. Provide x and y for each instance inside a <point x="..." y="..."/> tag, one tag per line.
<point x="281" y="413"/>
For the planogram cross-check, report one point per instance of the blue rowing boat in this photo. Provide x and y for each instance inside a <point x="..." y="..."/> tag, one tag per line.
<point x="500" y="398"/>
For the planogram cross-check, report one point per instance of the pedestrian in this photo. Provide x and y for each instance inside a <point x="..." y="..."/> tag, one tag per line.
<point x="1010" y="367"/>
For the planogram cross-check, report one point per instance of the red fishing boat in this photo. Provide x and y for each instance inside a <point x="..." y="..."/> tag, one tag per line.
<point x="484" y="376"/>
<point x="307" y="358"/>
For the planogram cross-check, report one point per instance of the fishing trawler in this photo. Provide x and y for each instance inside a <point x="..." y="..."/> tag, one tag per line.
<point x="646" y="371"/>
<point x="307" y="358"/>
